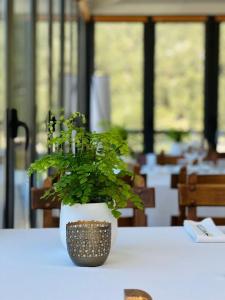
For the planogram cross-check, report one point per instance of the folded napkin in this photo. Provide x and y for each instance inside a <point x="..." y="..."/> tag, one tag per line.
<point x="204" y="232"/>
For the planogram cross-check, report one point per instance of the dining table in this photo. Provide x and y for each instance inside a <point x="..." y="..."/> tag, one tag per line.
<point x="163" y="261"/>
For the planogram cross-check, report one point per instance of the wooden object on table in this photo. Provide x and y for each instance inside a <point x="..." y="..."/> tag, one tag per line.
<point x="164" y="159"/>
<point x="133" y="294"/>
<point x="192" y="195"/>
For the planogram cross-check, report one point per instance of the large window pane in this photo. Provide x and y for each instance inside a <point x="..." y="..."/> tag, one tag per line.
<point x="42" y="75"/>
<point x="70" y="60"/>
<point x="179" y="77"/>
<point x="46" y="54"/>
<point x="21" y="98"/>
<point x="221" y="111"/>
<point x="119" y="54"/>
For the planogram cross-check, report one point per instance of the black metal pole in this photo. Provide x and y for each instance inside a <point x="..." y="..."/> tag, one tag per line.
<point x="149" y="53"/>
<point x="62" y="52"/>
<point x="33" y="125"/>
<point x="8" y="218"/>
<point x="50" y="18"/>
<point x="85" y="65"/>
<point x="9" y="183"/>
<point x="211" y="81"/>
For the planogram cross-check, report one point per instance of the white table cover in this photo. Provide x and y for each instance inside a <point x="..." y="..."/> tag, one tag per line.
<point x="164" y="262"/>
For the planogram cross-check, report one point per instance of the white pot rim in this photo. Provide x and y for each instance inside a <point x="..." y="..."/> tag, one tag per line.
<point x="87" y="211"/>
<point x="84" y="204"/>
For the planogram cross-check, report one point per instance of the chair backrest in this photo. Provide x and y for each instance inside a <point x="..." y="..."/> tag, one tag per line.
<point x="195" y="178"/>
<point x="191" y="181"/>
<point x="137" y="219"/>
<point x="47" y="205"/>
<point x="181" y="177"/>
<point x="192" y="195"/>
<point x="163" y="159"/>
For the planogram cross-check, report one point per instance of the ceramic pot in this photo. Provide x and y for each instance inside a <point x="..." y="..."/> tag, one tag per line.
<point x="176" y="149"/>
<point x="86" y="212"/>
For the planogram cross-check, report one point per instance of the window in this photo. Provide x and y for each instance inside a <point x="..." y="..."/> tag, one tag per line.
<point x="42" y="76"/>
<point x="46" y="88"/>
<point x="221" y="104"/>
<point x="179" y="75"/>
<point x="119" y="54"/>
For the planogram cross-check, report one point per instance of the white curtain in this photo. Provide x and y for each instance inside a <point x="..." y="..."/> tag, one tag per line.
<point x="70" y="93"/>
<point x="100" y="102"/>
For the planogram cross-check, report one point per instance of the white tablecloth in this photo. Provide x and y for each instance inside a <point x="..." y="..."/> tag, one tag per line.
<point x="164" y="262"/>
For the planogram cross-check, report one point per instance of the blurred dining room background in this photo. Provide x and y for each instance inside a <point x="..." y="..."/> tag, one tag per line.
<point x="154" y="70"/>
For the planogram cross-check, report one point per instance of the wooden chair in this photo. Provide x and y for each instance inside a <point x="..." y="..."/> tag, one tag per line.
<point x="175" y="179"/>
<point x="47" y="205"/>
<point x="137" y="219"/>
<point x="192" y="180"/>
<point x="163" y="159"/>
<point x="192" y="196"/>
<point x="182" y="177"/>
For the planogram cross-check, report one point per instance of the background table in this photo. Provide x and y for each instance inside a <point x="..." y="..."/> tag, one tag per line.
<point x="162" y="261"/>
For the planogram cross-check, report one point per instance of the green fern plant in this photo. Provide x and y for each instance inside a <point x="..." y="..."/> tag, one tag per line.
<point x="87" y="165"/>
<point x="177" y="135"/>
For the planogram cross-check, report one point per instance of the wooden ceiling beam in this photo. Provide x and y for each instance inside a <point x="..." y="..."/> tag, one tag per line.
<point x="144" y="19"/>
<point x="179" y="18"/>
<point x="220" y="18"/>
<point x="141" y="19"/>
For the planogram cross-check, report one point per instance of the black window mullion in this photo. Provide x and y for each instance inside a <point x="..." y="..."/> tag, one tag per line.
<point x="149" y="53"/>
<point x="211" y="81"/>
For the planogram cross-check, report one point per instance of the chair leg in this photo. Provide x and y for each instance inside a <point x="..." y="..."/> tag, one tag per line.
<point x="47" y="218"/>
<point x="192" y="213"/>
<point x="139" y="218"/>
<point x="182" y="215"/>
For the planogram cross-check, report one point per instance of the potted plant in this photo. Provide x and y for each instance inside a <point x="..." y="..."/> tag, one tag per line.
<point x="88" y="172"/>
<point x="177" y="137"/>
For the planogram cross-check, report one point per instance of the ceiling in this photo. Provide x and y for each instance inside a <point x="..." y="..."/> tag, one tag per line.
<point x="156" y="7"/>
